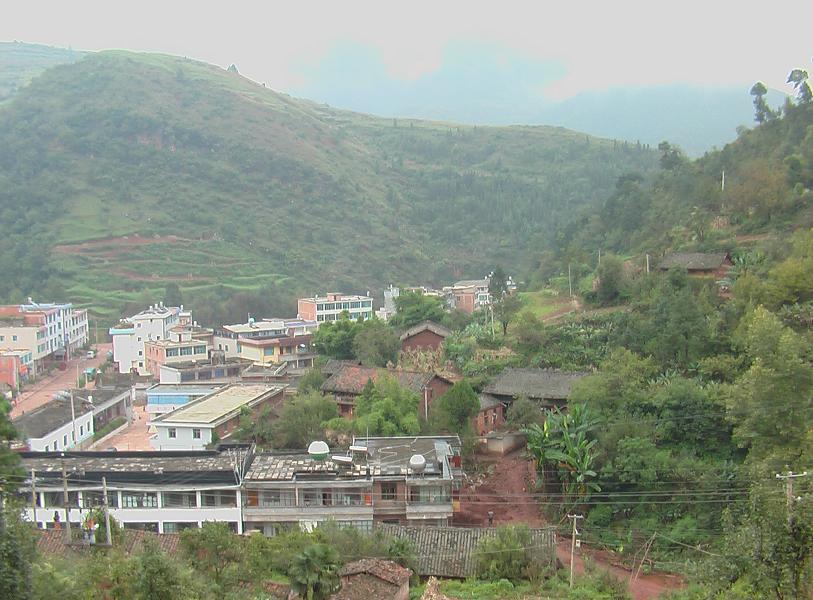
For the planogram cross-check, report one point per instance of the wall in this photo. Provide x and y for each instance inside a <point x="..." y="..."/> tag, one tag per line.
<point x="489" y="419"/>
<point x="183" y="439"/>
<point x="54" y="441"/>
<point x="424" y="340"/>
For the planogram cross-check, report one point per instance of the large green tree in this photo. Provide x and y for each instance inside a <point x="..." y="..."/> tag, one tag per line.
<point x="303" y="420"/>
<point x="376" y="344"/>
<point x="455" y="409"/>
<point x="314" y="573"/>
<point x="413" y="307"/>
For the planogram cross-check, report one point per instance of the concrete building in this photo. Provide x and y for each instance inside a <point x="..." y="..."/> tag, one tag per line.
<point x="164" y="492"/>
<point x="185" y="343"/>
<point x="392" y="480"/>
<point x="330" y="307"/>
<point x="213" y="417"/>
<point x="108" y="402"/>
<point x="15" y="367"/>
<point x="468" y="295"/>
<point x="217" y="369"/>
<point x="56" y="426"/>
<point x="270" y="341"/>
<point x="166" y="397"/>
<point x="129" y="336"/>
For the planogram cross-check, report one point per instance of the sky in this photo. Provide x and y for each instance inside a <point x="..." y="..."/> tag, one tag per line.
<point x="581" y="45"/>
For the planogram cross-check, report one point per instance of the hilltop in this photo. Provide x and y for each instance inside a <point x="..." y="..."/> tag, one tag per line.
<point x="20" y="63"/>
<point x="124" y="172"/>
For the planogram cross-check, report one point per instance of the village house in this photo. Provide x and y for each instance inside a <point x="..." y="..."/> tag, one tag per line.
<point x="163" y="492"/>
<point x="373" y="578"/>
<point x="549" y="388"/>
<point x="699" y="264"/>
<point x="331" y="306"/>
<point x="388" y="479"/>
<point x="468" y="295"/>
<point x="426" y="335"/>
<point x="348" y="381"/>
<point x="270" y="341"/>
<point x="214" y="417"/>
<point x="56" y="425"/>
<point x="109" y="402"/>
<point x="184" y="343"/>
<point x="216" y="369"/>
<point x="152" y="324"/>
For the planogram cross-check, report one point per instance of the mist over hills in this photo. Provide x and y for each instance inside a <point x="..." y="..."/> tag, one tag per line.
<point x="123" y="172"/>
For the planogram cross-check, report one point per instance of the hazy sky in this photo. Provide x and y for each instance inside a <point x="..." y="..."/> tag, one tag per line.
<point x="588" y="45"/>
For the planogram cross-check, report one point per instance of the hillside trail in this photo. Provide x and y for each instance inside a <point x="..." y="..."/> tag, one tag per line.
<point x="508" y="485"/>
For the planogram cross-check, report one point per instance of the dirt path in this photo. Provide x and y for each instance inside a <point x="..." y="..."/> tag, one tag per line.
<point x="507" y="480"/>
<point x="43" y="390"/>
<point x="136" y="436"/>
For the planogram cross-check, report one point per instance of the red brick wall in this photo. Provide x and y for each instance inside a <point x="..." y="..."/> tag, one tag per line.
<point x="306" y="310"/>
<point x="424" y="340"/>
<point x="9" y="367"/>
<point x="229" y="426"/>
<point x="434" y="390"/>
<point x="489" y="420"/>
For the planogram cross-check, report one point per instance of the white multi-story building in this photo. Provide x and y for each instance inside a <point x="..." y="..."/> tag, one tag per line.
<point x="154" y="491"/>
<point x="152" y="324"/>
<point x="67" y="326"/>
<point x="331" y="306"/>
<point x="227" y="337"/>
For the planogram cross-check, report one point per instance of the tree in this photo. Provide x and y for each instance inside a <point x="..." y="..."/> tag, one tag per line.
<point x="17" y="551"/>
<point x="412" y="308"/>
<point x="335" y="338"/>
<point x="376" y="344"/>
<point x="798" y="77"/>
<point x="172" y="295"/>
<point x="511" y="554"/>
<point x="454" y="410"/>
<point x="505" y="309"/>
<point x="762" y="112"/>
<point x="303" y="420"/>
<point x="523" y="413"/>
<point x="10" y="469"/>
<point x="314" y="573"/>
<point x="157" y="576"/>
<point x="671" y="156"/>
<point x="311" y="381"/>
<point x="610" y="279"/>
<point x="213" y="549"/>
<point x="386" y="408"/>
<point x="497" y="283"/>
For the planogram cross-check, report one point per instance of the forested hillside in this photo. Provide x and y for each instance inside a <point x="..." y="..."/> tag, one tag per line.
<point x="224" y="187"/>
<point x="20" y="63"/>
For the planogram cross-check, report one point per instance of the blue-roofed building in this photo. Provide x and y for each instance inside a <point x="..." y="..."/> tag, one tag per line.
<point x="165" y="397"/>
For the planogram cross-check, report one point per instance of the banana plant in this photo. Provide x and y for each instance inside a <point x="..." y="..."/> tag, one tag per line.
<point x="563" y="442"/>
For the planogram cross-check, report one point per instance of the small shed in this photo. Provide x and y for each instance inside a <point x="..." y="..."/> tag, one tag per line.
<point x="373" y="578"/>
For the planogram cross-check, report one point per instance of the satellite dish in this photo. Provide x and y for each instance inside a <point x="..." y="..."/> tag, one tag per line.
<point x="417" y="463"/>
<point x="318" y="450"/>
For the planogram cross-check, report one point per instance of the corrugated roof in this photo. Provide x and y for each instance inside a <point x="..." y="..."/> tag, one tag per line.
<point x="450" y="551"/>
<point x="539" y="384"/>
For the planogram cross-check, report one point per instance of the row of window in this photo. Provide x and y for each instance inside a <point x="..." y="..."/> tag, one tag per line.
<point x="172" y="433"/>
<point x="73" y="438"/>
<point x="315" y="497"/>
<point x="355" y="315"/>
<point x="344" y="305"/>
<point x="186" y="351"/>
<point x="140" y="499"/>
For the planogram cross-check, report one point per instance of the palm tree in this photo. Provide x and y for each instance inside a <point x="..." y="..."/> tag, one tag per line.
<point x="314" y="574"/>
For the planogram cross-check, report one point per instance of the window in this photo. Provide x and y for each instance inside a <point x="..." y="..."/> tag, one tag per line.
<point x="277" y="498"/>
<point x="180" y="499"/>
<point x="139" y="499"/>
<point x="81" y="430"/>
<point x="389" y="490"/>
<point x="178" y="527"/>
<point x="13" y="338"/>
<point x="65" y="440"/>
<point x="172" y="352"/>
<point x="2" y="337"/>
<point x="141" y="353"/>
<point x="219" y="498"/>
<point x="47" y="449"/>
<point x="186" y="351"/>
<point x="172" y="433"/>
<point x="269" y="351"/>
<point x="196" y="433"/>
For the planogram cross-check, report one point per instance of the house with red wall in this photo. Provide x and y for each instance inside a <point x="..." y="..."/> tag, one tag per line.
<point x="427" y="335"/>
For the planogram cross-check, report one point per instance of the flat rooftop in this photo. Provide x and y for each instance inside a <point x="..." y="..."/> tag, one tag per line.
<point x="189" y="389"/>
<point x="216" y="406"/>
<point x="286" y="467"/>
<point x="49" y="417"/>
<point x="127" y="462"/>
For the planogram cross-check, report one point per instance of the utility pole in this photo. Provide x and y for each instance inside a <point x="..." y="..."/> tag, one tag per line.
<point x="66" y="502"/>
<point x="722" y="182"/>
<point x="599" y="257"/>
<point x="569" y="282"/>
<point x="789" y="477"/>
<point x="647" y="264"/>
<point x="573" y="544"/>
<point x="73" y="414"/>
<point x="108" y="538"/>
<point x="34" y="497"/>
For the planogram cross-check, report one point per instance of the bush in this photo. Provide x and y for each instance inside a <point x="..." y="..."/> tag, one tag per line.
<point x="510" y="554"/>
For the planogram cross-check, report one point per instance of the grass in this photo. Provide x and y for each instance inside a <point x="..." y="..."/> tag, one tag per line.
<point x="111" y="426"/>
<point x="542" y="303"/>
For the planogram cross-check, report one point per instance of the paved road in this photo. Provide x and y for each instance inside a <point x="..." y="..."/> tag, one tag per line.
<point x="43" y="390"/>
<point x="135" y="436"/>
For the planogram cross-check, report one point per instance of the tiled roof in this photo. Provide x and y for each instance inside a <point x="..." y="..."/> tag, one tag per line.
<point x="351" y="379"/>
<point x="694" y="261"/>
<point x="49" y="417"/>
<point x="426" y="326"/>
<point x="333" y="365"/>
<point x="449" y="551"/>
<point x="389" y="571"/>
<point x="487" y="401"/>
<point x="52" y="542"/>
<point x="285" y="467"/>
<point x="539" y="384"/>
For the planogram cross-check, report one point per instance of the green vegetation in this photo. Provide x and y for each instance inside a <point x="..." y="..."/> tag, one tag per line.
<point x="111" y="426"/>
<point x="148" y="170"/>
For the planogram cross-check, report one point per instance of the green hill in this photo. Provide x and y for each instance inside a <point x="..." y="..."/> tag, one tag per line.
<point x="20" y="63"/>
<point x="179" y="171"/>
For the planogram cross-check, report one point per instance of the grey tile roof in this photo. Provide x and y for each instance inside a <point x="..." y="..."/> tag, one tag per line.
<point x="538" y="384"/>
<point x="694" y="261"/>
<point x="285" y="467"/>
<point x="424" y="326"/>
<point x="449" y="551"/>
